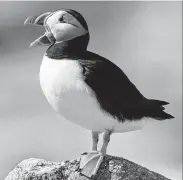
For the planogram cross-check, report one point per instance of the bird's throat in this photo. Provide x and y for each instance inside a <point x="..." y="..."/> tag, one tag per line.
<point x="71" y="48"/>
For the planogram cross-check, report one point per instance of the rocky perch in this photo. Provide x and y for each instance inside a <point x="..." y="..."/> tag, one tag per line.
<point x="112" y="168"/>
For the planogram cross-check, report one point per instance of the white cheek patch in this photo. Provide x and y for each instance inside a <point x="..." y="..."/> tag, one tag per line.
<point x="72" y="20"/>
<point x="64" y="31"/>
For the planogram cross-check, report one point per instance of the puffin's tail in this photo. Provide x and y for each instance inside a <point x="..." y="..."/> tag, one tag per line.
<point x="155" y="110"/>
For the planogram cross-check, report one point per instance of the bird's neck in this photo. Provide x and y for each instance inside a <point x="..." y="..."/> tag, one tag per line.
<point x="71" y="48"/>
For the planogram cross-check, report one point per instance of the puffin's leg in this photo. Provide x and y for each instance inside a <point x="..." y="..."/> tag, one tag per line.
<point x="90" y="164"/>
<point x="95" y="137"/>
<point x="106" y="139"/>
<point x="93" y="154"/>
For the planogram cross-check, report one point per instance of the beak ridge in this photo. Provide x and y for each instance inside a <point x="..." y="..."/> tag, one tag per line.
<point x="37" y="20"/>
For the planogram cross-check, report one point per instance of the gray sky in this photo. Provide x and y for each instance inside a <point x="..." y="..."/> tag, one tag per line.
<point x="142" y="38"/>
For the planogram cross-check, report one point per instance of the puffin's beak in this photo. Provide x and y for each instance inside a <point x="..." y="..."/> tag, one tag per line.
<point x="40" y="20"/>
<point x="37" y="20"/>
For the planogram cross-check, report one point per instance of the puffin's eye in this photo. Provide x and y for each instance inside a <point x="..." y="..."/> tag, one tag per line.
<point x="61" y="19"/>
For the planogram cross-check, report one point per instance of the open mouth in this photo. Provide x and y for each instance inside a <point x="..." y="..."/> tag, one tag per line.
<point x="46" y="39"/>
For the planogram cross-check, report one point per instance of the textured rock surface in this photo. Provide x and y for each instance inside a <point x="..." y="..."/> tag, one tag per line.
<point x="112" y="168"/>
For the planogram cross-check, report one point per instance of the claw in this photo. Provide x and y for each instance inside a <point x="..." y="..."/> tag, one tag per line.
<point x="91" y="178"/>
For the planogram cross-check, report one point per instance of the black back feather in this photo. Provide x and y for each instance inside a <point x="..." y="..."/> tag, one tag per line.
<point x="116" y="94"/>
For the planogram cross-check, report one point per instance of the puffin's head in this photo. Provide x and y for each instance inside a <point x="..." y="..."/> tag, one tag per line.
<point x="61" y="25"/>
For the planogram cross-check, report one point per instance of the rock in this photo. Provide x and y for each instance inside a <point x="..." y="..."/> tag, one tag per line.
<point x="112" y="168"/>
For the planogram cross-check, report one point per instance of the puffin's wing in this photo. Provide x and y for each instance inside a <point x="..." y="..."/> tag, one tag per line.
<point x="116" y="94"/>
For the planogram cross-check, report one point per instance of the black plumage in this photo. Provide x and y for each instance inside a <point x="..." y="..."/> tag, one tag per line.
<point x="116" y="94"/>
<point x="74" y="48"/>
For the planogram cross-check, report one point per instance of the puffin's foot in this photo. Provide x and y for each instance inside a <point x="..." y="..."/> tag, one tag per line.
<point x="90" y="163"/>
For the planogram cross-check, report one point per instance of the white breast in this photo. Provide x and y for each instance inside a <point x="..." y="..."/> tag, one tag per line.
<point x="63" y="86"/>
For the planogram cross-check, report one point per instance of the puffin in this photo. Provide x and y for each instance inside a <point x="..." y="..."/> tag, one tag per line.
<point x="86" y="88"/>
